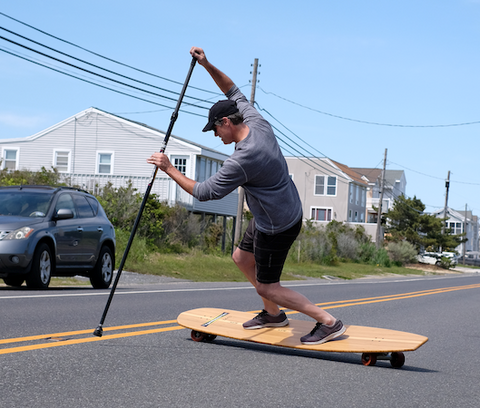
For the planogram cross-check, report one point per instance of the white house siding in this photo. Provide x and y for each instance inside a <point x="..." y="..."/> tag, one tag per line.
<point x="93" y="131"/>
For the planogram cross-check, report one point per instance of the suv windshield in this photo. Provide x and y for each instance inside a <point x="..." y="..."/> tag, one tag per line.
<point x="24" y="204"/>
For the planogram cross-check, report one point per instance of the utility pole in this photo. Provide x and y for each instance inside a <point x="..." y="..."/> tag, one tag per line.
<point x="241" y="191"/>
<point x="465" y="231"/>
<point x="445" y="208"/>
<point x="379" y="239"/>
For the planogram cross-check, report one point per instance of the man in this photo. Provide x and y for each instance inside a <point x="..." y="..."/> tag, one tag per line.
<point x="260" y="168"/>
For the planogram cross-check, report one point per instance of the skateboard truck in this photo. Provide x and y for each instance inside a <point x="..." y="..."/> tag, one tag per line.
<point x="396" y="358"/>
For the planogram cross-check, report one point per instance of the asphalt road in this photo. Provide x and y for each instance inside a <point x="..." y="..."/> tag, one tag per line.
<point x="49" y="356"/>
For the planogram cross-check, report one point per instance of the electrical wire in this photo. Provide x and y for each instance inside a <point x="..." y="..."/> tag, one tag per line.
<point x="89" y="63"/>
<point x="97" y="74"/>
<point x="93" y="83"/>
<point x="101" y="56"/>
<point x="368" y="122"/>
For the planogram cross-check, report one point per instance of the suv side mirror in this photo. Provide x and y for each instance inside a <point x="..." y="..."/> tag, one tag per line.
<point x="63" y="214"/>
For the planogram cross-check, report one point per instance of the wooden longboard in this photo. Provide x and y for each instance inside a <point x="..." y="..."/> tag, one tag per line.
<point x="373" y="343"/>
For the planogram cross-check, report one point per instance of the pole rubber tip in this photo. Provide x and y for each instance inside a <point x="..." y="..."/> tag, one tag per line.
<point x="98" y="332"/>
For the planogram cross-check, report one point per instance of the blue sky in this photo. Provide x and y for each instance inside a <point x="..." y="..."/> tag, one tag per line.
<point x="407" y="68"/>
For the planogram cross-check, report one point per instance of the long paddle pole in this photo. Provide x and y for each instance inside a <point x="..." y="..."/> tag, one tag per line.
<point x="99" y="330"/>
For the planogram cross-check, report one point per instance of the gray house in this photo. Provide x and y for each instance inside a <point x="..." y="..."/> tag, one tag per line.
<point x="330" y="190"/>
<point x="395" y="185"/>
<point x="94" y="147"/>
<point x="459" y="222"/>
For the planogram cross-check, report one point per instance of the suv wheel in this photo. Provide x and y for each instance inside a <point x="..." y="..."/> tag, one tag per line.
<point x="39" y="276"/>
<point x="15" y="281"/>
<point x="102" y="274"/>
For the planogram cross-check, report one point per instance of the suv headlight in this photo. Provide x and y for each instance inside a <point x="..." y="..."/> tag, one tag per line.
<point x="21" y="233"/>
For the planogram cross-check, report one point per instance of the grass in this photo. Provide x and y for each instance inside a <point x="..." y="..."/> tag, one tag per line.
<point x="211" y="268"/>
<point x="199" y="267"/>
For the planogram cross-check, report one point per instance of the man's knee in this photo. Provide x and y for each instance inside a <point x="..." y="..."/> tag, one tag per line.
<point x="267" y="290"/>
<point x="243" y="258"/>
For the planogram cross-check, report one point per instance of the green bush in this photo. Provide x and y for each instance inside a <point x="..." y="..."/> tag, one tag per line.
<point x="402" y="252"/>
<point x="381" y="258"/>
<point x="26" y="177"/>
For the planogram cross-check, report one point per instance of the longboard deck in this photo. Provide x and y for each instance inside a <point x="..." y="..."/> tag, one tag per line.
<point x="356" y="339"/>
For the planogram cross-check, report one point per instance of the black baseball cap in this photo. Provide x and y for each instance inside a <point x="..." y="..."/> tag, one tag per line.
<point x="218" y="111"/>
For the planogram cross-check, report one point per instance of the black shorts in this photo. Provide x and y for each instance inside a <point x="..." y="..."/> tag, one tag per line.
<point x="270" y="251"/>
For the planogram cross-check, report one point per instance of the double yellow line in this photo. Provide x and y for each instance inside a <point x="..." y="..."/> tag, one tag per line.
<point x="64" y="339"/>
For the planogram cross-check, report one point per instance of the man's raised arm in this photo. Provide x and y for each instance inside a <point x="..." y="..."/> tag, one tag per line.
<point x="222" y="80"/>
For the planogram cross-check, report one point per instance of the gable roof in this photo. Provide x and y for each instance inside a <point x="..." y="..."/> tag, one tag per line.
<point x="350" y="172"/>
<point x="391" y="176"/>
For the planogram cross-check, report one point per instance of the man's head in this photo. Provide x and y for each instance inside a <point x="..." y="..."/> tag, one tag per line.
<point x="222" y="109"/>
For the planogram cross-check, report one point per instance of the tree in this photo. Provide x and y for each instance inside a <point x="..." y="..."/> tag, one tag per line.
<point x="406" y="221"/>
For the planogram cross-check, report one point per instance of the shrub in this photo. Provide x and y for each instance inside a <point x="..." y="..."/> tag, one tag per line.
<point x="381" y="258"/>
<point x="402" y="252"/>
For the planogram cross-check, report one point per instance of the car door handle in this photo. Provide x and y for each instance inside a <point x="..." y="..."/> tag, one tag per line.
<point x="79" y="229"/>
<point x="100" y="229"/>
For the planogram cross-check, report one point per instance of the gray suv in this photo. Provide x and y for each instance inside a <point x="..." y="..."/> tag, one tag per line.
<point x="54" y="231"/>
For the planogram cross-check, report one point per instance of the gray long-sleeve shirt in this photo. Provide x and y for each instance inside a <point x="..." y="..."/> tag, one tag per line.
<point x="257" y="165"/>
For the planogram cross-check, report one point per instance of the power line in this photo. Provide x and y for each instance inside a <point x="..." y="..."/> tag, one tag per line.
<point x="298" y="137"/>
<point x="95" y="73"/>
<point x="436" y="177"/>
<point x="94" y="83"/>
<point x="101" y="56"/>
<point x="368" y="122"/>
<point x="88" y="63"/>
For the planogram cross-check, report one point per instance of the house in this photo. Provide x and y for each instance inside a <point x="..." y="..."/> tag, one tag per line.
<point x="459" y="222"/>
<point x="94" y="147"/>
<point x="330" y="191"/>
<point x="395" y="185"/>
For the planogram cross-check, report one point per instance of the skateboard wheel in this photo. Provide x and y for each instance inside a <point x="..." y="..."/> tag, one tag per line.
<point x="397" y="359"/>
<point x="369" y="359"/>
<point x="200" y="336"/>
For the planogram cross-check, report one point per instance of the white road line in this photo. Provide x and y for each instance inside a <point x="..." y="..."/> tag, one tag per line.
<point x="119" y="291"/>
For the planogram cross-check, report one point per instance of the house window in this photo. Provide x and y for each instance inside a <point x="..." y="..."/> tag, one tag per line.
<point x="319" y="185"/>
<point x="351" y="193"/>
<point x="10" y="159"/>
<point x="322" y="214"/>
<point x="105" y="163"/>
<point x="349" y="215"/>
<point x="357" y="195"/>
<point x="332" y="186"/>
<point x="364" y="194"/>
<point x="455" y="228"/>
<point x="62" y="161"/>
<point x="180" y="163"/>
<point x="201" y="169"/>
<point x="206" y="168"/>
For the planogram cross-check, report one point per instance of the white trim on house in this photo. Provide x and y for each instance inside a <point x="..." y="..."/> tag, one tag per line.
<point x="55" y="160"/>
<point x="5" y="159"/>
<point x="93" y="131"/>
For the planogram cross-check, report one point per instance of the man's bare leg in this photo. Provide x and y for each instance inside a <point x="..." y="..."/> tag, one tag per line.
<point x="273" y="294"/>
<point x="245" y="261"/>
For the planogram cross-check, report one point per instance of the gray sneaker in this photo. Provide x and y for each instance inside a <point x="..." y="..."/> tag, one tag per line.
<point x="321" y="333"/>
<point x="264" y="319"/>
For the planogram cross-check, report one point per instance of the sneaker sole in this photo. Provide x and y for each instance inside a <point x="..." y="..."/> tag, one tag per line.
<point x="262" y="326"/>
<point x="325" y="339"/>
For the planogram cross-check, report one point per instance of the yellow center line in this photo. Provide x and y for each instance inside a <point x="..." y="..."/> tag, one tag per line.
<point x="75" y="333"/>
<point x="86" y="340"/>
<point x="60" y="342"/>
